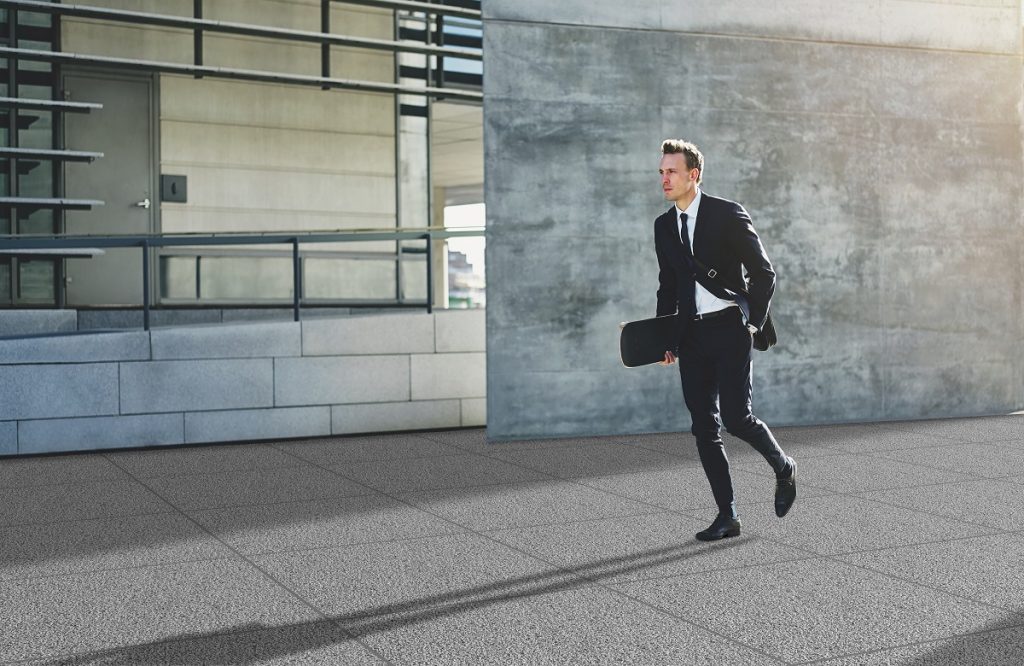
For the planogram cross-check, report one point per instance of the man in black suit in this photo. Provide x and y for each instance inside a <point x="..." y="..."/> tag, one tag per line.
<point x="716" y="324"/>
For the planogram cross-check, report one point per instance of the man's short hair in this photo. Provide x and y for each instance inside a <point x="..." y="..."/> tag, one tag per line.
<point x="694" y="158"/>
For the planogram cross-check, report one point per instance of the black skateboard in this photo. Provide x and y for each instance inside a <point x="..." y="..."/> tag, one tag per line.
<point x="645" y="341"/>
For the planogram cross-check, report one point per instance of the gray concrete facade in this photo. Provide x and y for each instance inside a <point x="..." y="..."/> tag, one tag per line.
<point x="876" y="145"/>
<point x="237" y="382"/>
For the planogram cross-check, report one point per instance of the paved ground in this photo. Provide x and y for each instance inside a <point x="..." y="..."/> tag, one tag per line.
<point x="905" y="546"/>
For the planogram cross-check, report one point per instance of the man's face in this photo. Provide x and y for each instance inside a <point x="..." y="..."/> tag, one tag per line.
<point x="676" y="180"/>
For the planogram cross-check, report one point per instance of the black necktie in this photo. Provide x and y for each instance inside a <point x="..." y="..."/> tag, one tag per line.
<point x="684" y="235"/>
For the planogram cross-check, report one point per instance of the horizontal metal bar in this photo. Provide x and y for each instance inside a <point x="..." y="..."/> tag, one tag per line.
<point x="55" y="253"/>
<point x="49" y="105"/>
<point x="55" y="155"/>
<point x="238" y="74"/>
<point x="229" y="27"/>
<point x="159" y="240"/>
<point x="33" y="202"/>
<point x="412" y="6"/>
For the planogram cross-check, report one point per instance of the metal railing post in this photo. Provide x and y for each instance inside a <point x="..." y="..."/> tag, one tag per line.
<point x="145" y="285"/>
<point x="325" y="48"/>
<point x="430" y="273"/>
<point x="197" y="37"/>
<point x="297" y="277"/>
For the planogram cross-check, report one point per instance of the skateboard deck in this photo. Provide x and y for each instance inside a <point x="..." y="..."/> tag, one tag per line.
<point x="645" y="341"/>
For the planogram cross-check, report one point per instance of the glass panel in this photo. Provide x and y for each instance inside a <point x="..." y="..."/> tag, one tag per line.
<point x="38" y="182"/>
<point x="246" y="278"/>
<point x="5" y="223"/>
<point x="35" y="281"/>
<point x="349" y="279"/>
<point x="414" y="273"/>
<point x="38" y="222"/>
<point x="35" y="129"/>
<point x="34" y="18"/>
<point x="34" y="65"/>
<point x="178" y="277"/>
<point x="34" y="91"/>
<point x="5" y="281"/>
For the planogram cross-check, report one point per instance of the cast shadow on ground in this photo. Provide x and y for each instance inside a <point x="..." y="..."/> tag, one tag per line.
<point x="254" y="643"/>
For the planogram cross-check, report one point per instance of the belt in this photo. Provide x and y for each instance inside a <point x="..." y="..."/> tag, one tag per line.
<point x="716" y="313"/>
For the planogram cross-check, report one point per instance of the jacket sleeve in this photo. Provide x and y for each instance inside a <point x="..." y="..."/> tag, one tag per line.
<point x="668" y="301"/>
<point x="761" y="276"/>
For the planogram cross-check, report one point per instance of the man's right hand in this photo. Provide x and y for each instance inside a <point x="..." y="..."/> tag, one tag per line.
<point x="670" y="358"/>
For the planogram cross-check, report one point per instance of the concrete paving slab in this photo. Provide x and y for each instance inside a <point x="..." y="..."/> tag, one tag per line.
<point x="252" y="487"/>
<point x="999" y="647"/>
<point x="741" y="451"/>
<point x="981" y="460"/>
<point x="814" y="609"/>
<point x="531" y="629"/>
<point x="589" y="461"/>
<point x="77" y="501"/>
<point x="373" y="581"/>
<point x="462" y="471"/>
<point x="847" y="473"/>
<point x="839" y="524"/>
<point x="320" y="524"/>
<point x="461" y="437"/>
<point x="349" y="450"/>
<point x="686" y="488"/>
<point x="982" y="568"/>
<point x="51" y="470"/>
<point x="656" y="545"/>
<point x="306" y="643"/>
<point x="202" y="460"/>
<point x="50" y="617"/>
<point x="992" y="503"/>
<point x="827" y="434"/>
<point x="861" y="439"/>
<point x="980" y="429"/>
<point x="524" y="504"/>
<point x="55" y="549"/>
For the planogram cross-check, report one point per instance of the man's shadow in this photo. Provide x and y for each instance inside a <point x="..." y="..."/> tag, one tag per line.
<point x="252" y="643"/>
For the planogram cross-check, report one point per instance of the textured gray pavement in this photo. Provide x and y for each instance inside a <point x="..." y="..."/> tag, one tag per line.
<point x="904" y="547"/>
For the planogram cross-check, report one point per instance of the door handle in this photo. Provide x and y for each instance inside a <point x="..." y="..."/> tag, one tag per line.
<point x="143" y="204"/>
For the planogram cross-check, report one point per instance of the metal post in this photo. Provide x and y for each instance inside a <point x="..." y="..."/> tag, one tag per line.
<point x="297" y="277"/>
<point x="325" y="48"/>
<point x="145" y="284"/>
<point x="197" y="37"/>
<point x="430" y="273"/>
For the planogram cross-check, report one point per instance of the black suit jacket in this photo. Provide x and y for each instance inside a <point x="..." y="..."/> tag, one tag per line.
<point x="724" y="239"/>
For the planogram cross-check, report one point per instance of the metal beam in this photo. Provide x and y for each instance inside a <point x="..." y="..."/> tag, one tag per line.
<point x="412" y="6"/>
<point x="238" y="74"/>
<point x="48" y="105"/>
<point x="55" y="155"/>
<point x="227" y="27"/>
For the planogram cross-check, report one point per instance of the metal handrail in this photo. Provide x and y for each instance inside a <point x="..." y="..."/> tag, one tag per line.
<point x="150" y="241"/>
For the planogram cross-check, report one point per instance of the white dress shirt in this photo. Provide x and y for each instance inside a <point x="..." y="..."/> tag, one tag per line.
<point x="706" y="301"/>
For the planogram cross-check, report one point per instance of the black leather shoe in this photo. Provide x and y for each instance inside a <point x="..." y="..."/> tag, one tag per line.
<point x="785" y="492"/>
<point x="724" y="526"/>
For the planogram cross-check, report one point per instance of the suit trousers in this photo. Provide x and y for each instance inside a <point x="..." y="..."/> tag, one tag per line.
<point x="715" y="365"/>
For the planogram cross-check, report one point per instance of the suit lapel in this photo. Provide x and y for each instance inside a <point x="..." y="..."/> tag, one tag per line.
<point x="700" y="229"/>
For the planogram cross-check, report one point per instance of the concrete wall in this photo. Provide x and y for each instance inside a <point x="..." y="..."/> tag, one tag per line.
<point x="250" y="381"/>
<point x="877" y="146"/>
<point x="260" y="156"/>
